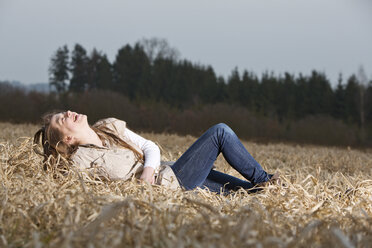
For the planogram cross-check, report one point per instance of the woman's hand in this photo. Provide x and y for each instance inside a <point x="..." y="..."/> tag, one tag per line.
<point x="148" y="175"/>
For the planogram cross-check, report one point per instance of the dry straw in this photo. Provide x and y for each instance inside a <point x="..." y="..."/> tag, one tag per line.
<point x="326" y="202"/>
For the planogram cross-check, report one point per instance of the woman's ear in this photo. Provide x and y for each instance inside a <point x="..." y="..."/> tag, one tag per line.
<point x="69" y="139"/>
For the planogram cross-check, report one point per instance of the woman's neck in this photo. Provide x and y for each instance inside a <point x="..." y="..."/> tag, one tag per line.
<point x="90" y="137"/>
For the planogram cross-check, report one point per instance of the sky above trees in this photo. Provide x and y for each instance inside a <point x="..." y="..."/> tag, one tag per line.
<point x="330" y="36"/>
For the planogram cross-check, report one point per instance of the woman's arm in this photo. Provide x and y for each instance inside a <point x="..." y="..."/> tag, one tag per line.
<point x="151" y="154"/>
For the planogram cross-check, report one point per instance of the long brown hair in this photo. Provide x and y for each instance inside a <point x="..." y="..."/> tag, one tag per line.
<point x="51" y="140"/>
<point x="105" y="133"/>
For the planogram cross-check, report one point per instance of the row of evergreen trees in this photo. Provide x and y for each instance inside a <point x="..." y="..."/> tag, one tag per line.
<point x="151" y="71"/>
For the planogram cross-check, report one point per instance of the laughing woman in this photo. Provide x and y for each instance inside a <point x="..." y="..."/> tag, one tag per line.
<point x="109" y="149"/>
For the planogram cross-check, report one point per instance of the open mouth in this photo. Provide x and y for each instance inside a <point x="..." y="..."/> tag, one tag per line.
<point x="75" y="117"/>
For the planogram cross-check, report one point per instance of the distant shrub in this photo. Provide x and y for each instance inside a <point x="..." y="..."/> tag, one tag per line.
<point x="18" y="106"/>
<point x="323" y="130"/>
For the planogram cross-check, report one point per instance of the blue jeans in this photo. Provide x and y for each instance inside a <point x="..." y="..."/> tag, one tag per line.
<point x="194" y="168"/>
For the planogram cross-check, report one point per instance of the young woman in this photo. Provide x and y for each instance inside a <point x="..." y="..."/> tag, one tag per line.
<point x="109" y="149"/>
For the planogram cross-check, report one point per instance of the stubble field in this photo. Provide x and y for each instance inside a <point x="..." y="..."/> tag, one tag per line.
<point x="325" y="201"/>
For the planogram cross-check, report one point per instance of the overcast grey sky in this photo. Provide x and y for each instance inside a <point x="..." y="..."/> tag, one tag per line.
<point x="331" y="36"/>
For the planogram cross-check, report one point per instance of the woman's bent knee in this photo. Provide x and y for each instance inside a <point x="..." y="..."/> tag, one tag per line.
<point x="222" y="127"/>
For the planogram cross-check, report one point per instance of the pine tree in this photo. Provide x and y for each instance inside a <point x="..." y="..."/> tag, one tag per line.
<point x="234" y="87"/>
<point x="319" y="94"/>
<point x="268" y="94"/>
<point x="99" y="71"/>
<point x="286" y="97"/>
<point x="352" y="100"/>
<point x="250" y="83"/>
<point x="131" y="71"/>
<point x="79" y="69"/>
<point x="209" y="90"/>
<point x="163" y="74"/>
<point x="58" y="70"/>
<point x="339" y="107"/>
<point x="104" y="73"/>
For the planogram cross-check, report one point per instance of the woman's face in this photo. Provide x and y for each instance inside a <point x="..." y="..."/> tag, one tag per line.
<point x="69" y="123"/>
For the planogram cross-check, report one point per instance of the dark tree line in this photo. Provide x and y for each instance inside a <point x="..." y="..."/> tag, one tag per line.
<point x="150" y="71"/>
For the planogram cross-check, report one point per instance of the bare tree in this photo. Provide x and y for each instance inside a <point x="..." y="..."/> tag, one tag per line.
<point x="156" y="48"/>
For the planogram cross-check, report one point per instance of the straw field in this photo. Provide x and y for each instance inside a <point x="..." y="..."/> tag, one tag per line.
<point x="325" y="200"/>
